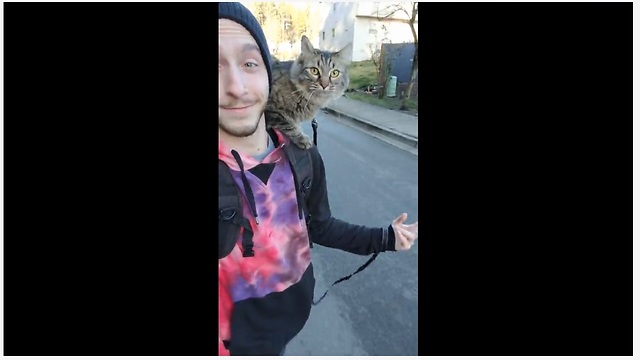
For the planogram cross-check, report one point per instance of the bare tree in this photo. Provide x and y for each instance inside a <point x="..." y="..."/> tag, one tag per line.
<point x="382" y="73"/>
<point x="389" y="11"/>
<point x="375" y="57"/>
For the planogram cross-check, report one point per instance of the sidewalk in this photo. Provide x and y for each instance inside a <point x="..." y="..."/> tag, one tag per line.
<point x="394" y="124"/>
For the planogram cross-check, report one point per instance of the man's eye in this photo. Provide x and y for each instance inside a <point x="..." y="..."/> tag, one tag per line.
<point x="250" y="64"/>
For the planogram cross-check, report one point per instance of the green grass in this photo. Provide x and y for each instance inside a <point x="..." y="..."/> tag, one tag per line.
<point x="361" y="74"/>
<point x="385" y="102"/>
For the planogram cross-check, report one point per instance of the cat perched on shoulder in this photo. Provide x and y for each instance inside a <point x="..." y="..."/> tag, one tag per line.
<point x="303" y="86"/>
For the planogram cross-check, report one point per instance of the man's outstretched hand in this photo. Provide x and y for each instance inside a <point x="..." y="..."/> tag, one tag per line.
<point x="405" y="234"/>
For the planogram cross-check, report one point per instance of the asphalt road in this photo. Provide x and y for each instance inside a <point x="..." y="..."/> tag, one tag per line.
<point x="375" y="312"/>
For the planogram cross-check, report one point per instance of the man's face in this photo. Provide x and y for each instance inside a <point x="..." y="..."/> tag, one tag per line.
<point x="243" y="82"/>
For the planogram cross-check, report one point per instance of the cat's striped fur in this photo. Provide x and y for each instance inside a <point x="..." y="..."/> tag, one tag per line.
<point x="304" y="86"/>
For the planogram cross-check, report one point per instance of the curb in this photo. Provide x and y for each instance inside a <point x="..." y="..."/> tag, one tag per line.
<point x="368" y="125"/>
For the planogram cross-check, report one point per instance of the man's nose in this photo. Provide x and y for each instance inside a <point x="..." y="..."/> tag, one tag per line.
<point x="234" y="82"/>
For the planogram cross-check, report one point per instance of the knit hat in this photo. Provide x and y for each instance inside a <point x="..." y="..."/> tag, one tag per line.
<point x="237" y="12"/>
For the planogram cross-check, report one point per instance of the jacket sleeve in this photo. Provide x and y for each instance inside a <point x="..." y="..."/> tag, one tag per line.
<point x="328" y="231"/>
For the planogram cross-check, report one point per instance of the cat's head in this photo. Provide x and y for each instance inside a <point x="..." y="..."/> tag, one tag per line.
<point x="324" y="73"/>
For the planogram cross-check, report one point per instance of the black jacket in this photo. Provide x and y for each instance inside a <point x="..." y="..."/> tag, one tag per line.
<point x="264" y="325"/>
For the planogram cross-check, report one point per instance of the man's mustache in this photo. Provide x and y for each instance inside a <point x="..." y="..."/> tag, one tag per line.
<point x="237" y="104"/>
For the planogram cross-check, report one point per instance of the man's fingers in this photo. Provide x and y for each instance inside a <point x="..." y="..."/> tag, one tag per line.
<point x="401" y="240"/>
<point x="404" y="239"/>
<point x="409" y="235"/>
<point x="402" y="243"/>
<point x="405" y="234"/>
<point x="413" y="228"/>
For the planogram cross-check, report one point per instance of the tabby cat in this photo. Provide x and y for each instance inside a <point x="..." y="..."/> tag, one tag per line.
<point x="304" y="86"/>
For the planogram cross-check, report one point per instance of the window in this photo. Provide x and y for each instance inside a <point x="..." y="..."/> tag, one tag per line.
<point x="334" y="32"/>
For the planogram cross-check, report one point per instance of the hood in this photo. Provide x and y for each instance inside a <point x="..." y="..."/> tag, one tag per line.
<point x="249" y="162"/>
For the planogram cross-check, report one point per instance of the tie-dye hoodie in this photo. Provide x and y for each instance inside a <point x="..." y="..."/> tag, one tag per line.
<point x="265" y="300"/>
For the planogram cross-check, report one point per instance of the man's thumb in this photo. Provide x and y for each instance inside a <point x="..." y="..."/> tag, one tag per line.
<point x="401" y="219"/>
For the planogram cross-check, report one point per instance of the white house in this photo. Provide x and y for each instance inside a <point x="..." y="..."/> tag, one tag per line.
<point x="365" y="24"/>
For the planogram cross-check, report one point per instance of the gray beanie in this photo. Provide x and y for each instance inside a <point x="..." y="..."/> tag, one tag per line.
<point x="237" y="12"/>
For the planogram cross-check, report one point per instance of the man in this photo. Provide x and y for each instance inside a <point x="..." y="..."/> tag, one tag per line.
<point x="265" y="279"/>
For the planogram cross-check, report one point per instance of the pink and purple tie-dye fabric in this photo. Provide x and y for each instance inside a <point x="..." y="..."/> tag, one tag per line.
<point x="281" y="243"/>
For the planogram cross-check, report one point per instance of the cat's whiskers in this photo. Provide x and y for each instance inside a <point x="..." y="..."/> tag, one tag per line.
<point x="309" y="99"/>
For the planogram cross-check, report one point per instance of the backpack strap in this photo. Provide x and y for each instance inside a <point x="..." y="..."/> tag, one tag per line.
<point x="231" y="220"/>
<point x="302" y="169"/>
<point x="314" y="125"/>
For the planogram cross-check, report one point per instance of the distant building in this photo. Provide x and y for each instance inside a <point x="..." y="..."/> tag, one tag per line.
<point x="362" y="24"/>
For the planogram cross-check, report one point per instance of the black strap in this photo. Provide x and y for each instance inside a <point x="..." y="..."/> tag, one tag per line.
<point x="314" y="125"/>
<point x="347" y="277"/>
<point x="247" y="238"/>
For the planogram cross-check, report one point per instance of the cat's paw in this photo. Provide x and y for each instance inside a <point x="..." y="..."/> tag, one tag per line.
<point x="304" y="143"/>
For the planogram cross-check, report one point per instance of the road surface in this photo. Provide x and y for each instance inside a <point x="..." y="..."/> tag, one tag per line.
<point x="375" y="312"/>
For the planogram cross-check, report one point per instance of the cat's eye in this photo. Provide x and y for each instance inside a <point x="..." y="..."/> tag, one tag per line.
<point x="335" y="73"/>
<point x="314" y="71"/>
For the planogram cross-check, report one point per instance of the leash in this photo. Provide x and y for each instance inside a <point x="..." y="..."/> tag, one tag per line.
<point x="346" y="278"/>
<point x="314" y="125"/>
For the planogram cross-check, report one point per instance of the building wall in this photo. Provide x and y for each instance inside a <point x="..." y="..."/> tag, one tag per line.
<point x="370" y="34"/>
<point x="338" y="27"/>
<point x="339" y="23"/>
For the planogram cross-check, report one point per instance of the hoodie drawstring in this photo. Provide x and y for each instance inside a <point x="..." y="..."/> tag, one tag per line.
<point x="247" y="241"/>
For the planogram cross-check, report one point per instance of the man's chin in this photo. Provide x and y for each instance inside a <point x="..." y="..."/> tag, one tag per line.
<point x="242" y="133"/>
<point x="238" y="130"/>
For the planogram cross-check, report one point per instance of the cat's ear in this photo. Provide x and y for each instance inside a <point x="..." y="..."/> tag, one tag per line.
<point x="344" y="54"/>
<point x="307" y="46"/>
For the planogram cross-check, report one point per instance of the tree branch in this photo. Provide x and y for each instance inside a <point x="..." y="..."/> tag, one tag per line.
<point x="405" y="11"/>
<point x="394" y="8"/>
<point x="414" y="12"/>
